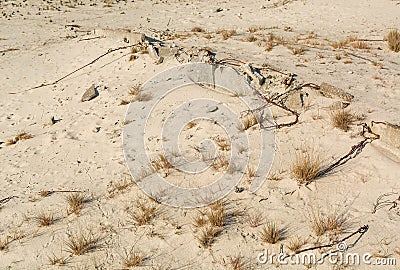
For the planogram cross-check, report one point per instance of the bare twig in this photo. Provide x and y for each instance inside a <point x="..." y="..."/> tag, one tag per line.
<point x="82" y="67"/>
<point x="6" y="200"/>
<point x="380" y="203"/>
<point x="362" y="230"/>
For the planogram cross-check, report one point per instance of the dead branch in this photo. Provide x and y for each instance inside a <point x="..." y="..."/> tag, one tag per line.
<point x="82" y="67"/>
<point x="9" y="50"/>
<point x="381" y="203"/>
<point x="361" y="231"/>
<point x="6" y="200"/>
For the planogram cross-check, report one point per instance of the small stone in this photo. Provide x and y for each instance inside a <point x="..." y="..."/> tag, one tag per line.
<point x="90" y="93"/>
<point x="212" y="109"/>
<point x="219" y="10"/>
<point x="239" y="189"/>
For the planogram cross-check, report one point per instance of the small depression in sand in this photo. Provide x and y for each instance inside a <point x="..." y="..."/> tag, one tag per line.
<point x="182" y="128"/>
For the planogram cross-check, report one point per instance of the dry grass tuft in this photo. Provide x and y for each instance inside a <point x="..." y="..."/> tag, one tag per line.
<point x="393" y="40"/>
<point x="120" y="186"/>
<point x="199" y="220"/>
<point x="145" y="211"/>
<point x="220" y="163"/>
<point x="208" y="235"/>
<point x="198" y="29"/>
<point x="19" y="137"/>
<point x="4" y="243"/>
<point x="272" y="234"/>
<point x="306" y="166"/>
<point x="295" y="244"/>
<point x="250" y="38"/>
<point x="135" y="89"/>
<point x="45" y="193"/>
<point x="217" y="214"/>
<point x="248" y="121"/>
<point x="297" y="50"/>
<point x="162" y="164"/>
<point x="251" y="173"/>
<point x="255" y="219"/>
<point x="44" y="219"/>
<point x="236" y="263"/>
<point x="60" y="261"/>
<point x="81" y="243"/>
<point x="334" y="223"/>
<point x="132" y="259"/>
<point x="360" y="45"/>
<point x="227" y="33"/>
<point x="223" y="143"/>
<point x="75" y="203"/>
<point x="342" y="119"/>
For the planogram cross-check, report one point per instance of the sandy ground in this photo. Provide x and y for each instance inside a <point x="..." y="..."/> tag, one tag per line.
<point x="81" y="149"/>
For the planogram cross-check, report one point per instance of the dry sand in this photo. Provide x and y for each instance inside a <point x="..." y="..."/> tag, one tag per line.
<point x="77" y="146"/>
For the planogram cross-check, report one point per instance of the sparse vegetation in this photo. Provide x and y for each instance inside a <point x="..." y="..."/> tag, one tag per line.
<point x="81" y="243"/>
<point x="60" y="261"/>
<point x="306" y="166"/>
<point x="334" y="223"/>
<point x="75" y="203"/>
<point x="45" y="193"/>
<point x="198" y="29"/>
<point x="199" y="220"/>
<point x="255" y="219"/>
<point x="342" y="119"/>
<point x="359" y="45"/>
<point x="217" y="214"/>
<point x="4" y="243"/>
<point x="162" y="164"/>
<point x="227" y="33"/>
<point x="19" y="137"/>
<point x="295" y="244"/>
<point x="208" y="235"/>
<point x="393" y="40"/>
<point x="271" y="233"/>
<point x="44" y="219"/>
<point x="248" y="121"/>
<point x="132" y="259"/>
<point x="144" y="212"/>
<point x="220" y="163"/>
<point x="235" y="263"/>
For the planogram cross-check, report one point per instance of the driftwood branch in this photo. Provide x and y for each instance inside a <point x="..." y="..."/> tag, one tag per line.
<point x="354" y="151"/>
<point x="82" y="67"/>
<point x="7" y="199"/>
<point x="361" y="231"/>
<point x="381" y="203"/>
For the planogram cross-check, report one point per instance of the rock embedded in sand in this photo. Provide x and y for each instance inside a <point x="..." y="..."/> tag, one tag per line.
<point x="90" y="93"/>
<point x="331" y="91"/>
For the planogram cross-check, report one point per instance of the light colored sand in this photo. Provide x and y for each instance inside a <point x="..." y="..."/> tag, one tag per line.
<point x="83" y="150"/>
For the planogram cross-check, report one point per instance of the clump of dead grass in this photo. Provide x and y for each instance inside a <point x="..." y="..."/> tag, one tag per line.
<point x="342" y="119"/>
<point x="235" y="262"/>
<point x="75" y="202"/>
<point x="198" y="29"/>
<point x="271" y="233"/>
<point x="362" y="45"/>
<point x="248" y="121"/>
<point x="44" y="219"/>
<point x="227" y="33"/>
<point x="4" y="243"/>
<point x="162" y="164"/>
<point x="132" y="259"/>
<point x="306" y="166"/>
<point x="220" y="163"/>
<point x="145" y="211"/>
<point x="60" y="261"/>
<point x="207" y="236"/>
<point x="255" y="219"/>
<point x="295" y="244"/>
<point x="393" y="40"/>
<point x="334" y="223"/>
<point x="19" y="137"/>
<point x="81" y="243"/>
